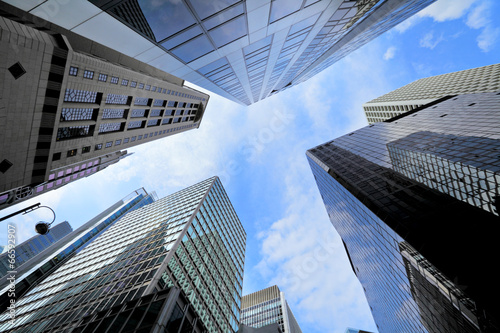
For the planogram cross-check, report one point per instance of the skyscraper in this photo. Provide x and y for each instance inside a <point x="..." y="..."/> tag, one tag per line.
<point x="187" y="247"/>
<point x="268" y="306"/>
<point x="71" y="106"/>
<point x="431" y="89"/>
<point x="30" y="273"/>
<point x="242" y="50"/>
<point x="416" y="200"/>
<point x="29" y="249"/>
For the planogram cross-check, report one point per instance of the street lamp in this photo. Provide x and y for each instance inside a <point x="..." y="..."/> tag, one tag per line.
<point x="41" y="227"/>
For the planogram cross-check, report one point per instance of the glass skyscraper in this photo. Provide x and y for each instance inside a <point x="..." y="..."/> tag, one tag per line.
<point x="71" y="107"/>
<point x="186" y="250"/>
<point x="242" y="50"/>
<point x="416" y="200"/>
<point x="268" y="306"/>
<point x="33" y="246"/>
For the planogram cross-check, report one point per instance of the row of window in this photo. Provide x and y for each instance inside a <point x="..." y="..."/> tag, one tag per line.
<point x="87" y="149"/>
<point x="88" y="74"/>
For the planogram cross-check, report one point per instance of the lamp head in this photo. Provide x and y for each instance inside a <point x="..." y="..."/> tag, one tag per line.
<point x="42" y="228"/>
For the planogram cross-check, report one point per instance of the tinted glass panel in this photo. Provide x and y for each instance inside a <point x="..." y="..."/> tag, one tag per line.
<point x="193" y="49"/>
<point x="206" y="8"/>
<point x="183" y="37"/>
<point x="229" y="31"/>
<point x="223" y="17"/>
<point x="166" y="18"/>
<point x="282" y="8"/>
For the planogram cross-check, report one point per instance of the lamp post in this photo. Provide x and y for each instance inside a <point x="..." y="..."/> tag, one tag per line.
<point x="41" y="227"/>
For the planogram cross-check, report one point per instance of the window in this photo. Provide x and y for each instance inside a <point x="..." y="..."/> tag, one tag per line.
<point x="125" y="140"/>
<point x="5" y="165"/>
<point x="85" y="149"/>
<point x="124" y="82"/>
<point x="56" y="157"/>
<point x="72" y="95"/>
<point x="133" y="84"/>
<point x="148" y="87"/>
<point x="117" y="99"/>
<point x="73" y="71"/>
<point x="17" y="70"/>
<point x="103" y="77"/>
<point x="153" y="89"/>
<point x="108" y="144"/>
<point x="134" y="124"/>
<point x="71" y="152"/>
<point x="114" y="80"/>
<point x="141" y="85"/>
<point x="98" y="146"/>
<point x="88" y="74"/>
<point x="64" y="133"/>
<point x="110" y="127"/>
<point x="118" y="142"/>
<point x="71" y="114"/>
<point x="132" y="139"/>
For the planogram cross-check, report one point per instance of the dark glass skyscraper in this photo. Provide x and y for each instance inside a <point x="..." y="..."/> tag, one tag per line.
<point x="242" y="50"/>
<point x="187" y="248"/>
<point x="416" y="202"/>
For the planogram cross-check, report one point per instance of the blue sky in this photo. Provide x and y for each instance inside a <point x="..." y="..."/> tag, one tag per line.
<point x="259" y="154"/>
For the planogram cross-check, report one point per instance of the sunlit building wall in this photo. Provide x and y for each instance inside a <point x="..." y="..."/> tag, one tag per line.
<point x="242" y="50"/>
<point x="416" y="200"/>
<point x="268" y="306"/>
<point x="431" y="89"/>
<point x="190" y="241"/>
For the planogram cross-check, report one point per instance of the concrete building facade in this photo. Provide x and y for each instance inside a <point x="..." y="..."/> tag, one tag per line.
<point x="70" y="107"/>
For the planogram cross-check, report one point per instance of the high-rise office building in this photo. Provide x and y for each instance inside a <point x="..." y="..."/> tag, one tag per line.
<point x="242" y="50"/>
<point x="31" y="272"/>
<point x="416" y="201"/>
<point x="29" y="249"/>
<point x="431" y="89"/>
<point x="268" y="306"/>
<point x="187" y="247"/>
<point x="70" y="106"/>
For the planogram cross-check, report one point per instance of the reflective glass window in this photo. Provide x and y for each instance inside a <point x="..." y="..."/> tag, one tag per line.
<point x="229" y="32"/>
<point x="183" y="37"/>
<point x="166" y="18"/>
<point x="193" y="49"/>
<point x="223" y="17"/>
<point x="282" y="8"/>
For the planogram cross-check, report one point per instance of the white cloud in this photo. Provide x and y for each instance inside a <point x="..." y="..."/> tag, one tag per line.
<point x="430" y="41"/>
<point x="477" y="14"/>
<point x="439" y="11"/>
<point x="488" y="37"/>
<point x="446" y="10"/>
<point x="480" y="18"/>
<point x="389" y="54"/>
